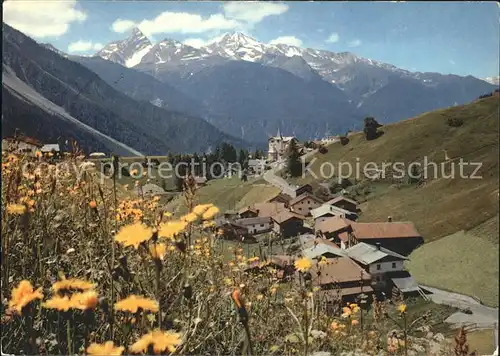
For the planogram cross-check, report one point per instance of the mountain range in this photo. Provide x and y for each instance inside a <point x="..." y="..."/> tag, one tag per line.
<point x="49" y="96"/>
<point x="168" y="96"/>
<point x="250" y="89"/>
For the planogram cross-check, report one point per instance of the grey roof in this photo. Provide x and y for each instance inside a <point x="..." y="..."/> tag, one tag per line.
<point x="406" y="284"/>
<point x="50" y="147"/>
<point x="367" y="254"/>
<point x="305" y="238"/>
<point x="253" y="221"/>
<point x="322" y="249"/>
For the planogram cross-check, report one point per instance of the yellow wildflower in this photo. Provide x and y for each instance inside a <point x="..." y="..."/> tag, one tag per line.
<point x="84" y="301"/>
<point x="402" y="308"/>
<point x="323" y="261"/>
<point x="303" y="264"/>
<point x="210" y="213"/>
<point x="72" y="284"/>
<point x="157" y="251"/>
<point x="160" y="340"/>
<point x="134" y="235"/>
<point x="191" y="217"/>
<point x="59" y="303"/>
<point x="208" y="224"/>
<point x="133" y="303"/>
<point x="167" y="214"/>
<point x="347" y="312"/>
<point x="171" y="228"/>
<point x="106" y="349"/>
<point x="200" y="209"/>
<point x="16" y="209"/>
<point x="24" y="294"/>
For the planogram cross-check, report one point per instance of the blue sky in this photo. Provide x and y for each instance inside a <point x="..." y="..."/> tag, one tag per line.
<point x="446" y="37"/>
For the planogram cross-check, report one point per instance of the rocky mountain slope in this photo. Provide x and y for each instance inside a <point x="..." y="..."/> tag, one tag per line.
<point x="358" y="86"/>
<point x="85" y="97"/>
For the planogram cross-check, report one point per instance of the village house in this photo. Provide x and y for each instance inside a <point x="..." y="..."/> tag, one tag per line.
<point x="326" y="211"/>
<point x="231" y="230"/>
<point x="256" y="166"/>
<point x="261" y="210"/>
<point x="386" y="268"/>
<point x="51" y="148"/>
<point x="305" y="188"/>
<point x="399" y="237"/>
<point x="322" y="248"/>
<point x="22" y="145"/>
<point x="340" y="279"/>
<point x="281" y="198"/>
<point x="287" y="223"/>
<point x="278" y="146"/>
<point x="256" y="225"/>
<point x="334" y="229"/>
<point x="304" y="203"/>
<point x="344" y="203"/>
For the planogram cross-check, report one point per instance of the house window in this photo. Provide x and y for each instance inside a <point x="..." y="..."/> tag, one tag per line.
<point x="378" y="267"/>
<point x="394" y="265"/>
<point x="261" y="225"/>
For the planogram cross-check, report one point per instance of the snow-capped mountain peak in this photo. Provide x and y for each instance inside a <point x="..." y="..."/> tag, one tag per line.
<point x="492" y="80"/>
<point x="127" y="52"/>
<point x="236" y="45"/>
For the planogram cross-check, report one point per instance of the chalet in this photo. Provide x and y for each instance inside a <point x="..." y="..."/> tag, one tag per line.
<point x="281" y="198"/>
<point x="22" y="145"/>
<point x="340" y="279"/>
<point x="334" y="229"/>
<point x="261" y="210"/>
<point x="326" y="211"/>
<point x="306" y="188"/>
<point x="256" y="166"/>
<point x="399" y="237"/>
<point x="344" y="203"/>
<point x="287" y="223"/>
<point x="378" y="261"/>
<point x="256" y="225"/>
<point x="231" y="230"/>
<point x="51" y="148"/>
<point x="278" y="146"/>
<point x="304" y="203"/>
<point x="323" y="248"/>
<point x="248" y="212"/>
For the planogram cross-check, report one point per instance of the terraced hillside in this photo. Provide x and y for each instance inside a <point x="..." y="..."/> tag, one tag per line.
<point x="441" y="206"/>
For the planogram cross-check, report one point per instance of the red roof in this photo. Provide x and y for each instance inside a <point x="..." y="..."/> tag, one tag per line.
<point x="333" y="224"/>
<point x="302" y="197"/>
<point x="285" y="215"/>
<point x="340" y="198"/>
<point x="384" y="230"/>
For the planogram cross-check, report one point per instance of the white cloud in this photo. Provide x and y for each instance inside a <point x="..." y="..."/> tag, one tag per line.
<point x="122" y="26"/>
<point x="177" y="22"/>
<point x="40" y="18"/>
<point x="98" y="46"/>
<point x="235" y="16"/>
<point x="288" y="40"/>
<point x="253" y="12"/>
<point x="84" y="46"/>
<point x="333" y="38"/>
<point x="354" y="43"/>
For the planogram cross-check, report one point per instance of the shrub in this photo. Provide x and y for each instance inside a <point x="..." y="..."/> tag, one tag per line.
<point x="455" y="122"/>
<point x="344" y="140"/>
<point x="322" y="150"/>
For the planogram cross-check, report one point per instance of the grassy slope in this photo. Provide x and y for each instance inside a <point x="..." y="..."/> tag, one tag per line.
<point x="228" y="193"/>
<point x="442" y="206"/>
<point x="460" y="262"/>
